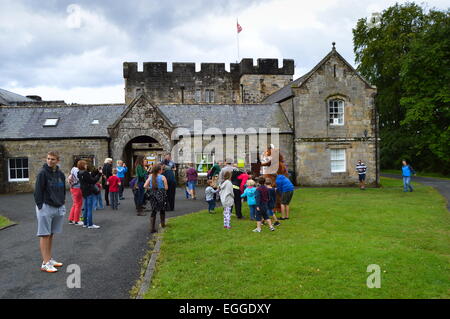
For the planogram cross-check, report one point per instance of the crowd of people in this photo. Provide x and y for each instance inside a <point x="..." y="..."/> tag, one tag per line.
<point x="266" y="188"/>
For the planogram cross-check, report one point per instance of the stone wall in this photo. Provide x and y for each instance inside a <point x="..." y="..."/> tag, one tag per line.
<point x="181" y="84"/>
<point x="314" y="163"/>
<point x="315" y="136"/>
<point x="36" y="152"/>
<point x="256" y="87"/>
<point x="141" y="119"/>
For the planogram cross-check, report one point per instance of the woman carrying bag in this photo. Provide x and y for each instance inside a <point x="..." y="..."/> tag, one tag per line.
<point x="157" y="185"/>
<point x="89" y="191"/>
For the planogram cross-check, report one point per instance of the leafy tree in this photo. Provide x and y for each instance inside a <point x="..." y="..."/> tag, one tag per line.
<point x="405" y="54"/>
<point x="426" y="84"/>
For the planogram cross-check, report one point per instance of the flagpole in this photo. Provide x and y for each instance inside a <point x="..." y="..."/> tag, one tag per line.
<point x="237" y="40"/>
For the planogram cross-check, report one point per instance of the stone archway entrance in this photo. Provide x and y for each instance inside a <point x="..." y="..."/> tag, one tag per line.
<point x="146" y="146"/>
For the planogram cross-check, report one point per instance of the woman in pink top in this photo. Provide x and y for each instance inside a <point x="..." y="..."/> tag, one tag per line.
<point x="243" y="178"/>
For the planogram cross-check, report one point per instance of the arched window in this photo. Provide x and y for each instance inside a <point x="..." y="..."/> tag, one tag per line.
<point x="336" y="112"/>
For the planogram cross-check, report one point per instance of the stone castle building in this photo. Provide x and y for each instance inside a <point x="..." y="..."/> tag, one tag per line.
<point x="324" y="121"/>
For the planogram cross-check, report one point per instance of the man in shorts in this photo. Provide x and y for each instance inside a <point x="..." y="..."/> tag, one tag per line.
<point x="361" y="168"/>
<point x="286" y="189"/>
<point x="49" y="195"/>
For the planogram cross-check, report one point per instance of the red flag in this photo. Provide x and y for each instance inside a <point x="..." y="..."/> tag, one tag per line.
<point x="239" y="28"/>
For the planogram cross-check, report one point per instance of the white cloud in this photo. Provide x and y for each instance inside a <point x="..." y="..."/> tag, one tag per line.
<point x="81" y="95"/>
<point x="46" y="55"/>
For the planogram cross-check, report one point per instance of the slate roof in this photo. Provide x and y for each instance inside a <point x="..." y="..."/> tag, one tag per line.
<point x="10" y="98"/>
<point x="225" y="116"/>
<point x="74" y="121"/>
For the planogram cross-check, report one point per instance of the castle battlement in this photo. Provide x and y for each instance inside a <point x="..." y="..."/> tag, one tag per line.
<point x="157" y="69"/>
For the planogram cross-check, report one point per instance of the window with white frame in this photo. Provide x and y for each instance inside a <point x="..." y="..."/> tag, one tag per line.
<point x="51" y="122"/>
<point x="18" y="169"/>
<point x="336" y="112"/>
<point x="337" y="160"/>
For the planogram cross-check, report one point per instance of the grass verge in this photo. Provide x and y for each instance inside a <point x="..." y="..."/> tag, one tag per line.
<point x="5" y="222"/>
<point x="323" y="251"/>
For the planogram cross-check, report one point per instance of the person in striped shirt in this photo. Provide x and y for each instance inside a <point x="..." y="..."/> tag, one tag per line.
<point x="361" y="168"/>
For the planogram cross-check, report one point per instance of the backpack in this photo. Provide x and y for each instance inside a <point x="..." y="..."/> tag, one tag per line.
<point x="133" y="182"/>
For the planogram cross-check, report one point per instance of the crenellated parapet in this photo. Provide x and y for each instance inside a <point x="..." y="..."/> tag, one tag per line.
<point x="212" y="83"/>
<point x="263" y="66"/>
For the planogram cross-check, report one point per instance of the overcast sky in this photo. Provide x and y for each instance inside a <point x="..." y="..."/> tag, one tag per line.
<point x="74" y="50"/>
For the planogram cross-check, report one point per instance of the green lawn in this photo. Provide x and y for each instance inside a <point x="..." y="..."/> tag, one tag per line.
<point x="4" y="222"/>
<point x="322" y="252"/>
<point x="421" y="174"/>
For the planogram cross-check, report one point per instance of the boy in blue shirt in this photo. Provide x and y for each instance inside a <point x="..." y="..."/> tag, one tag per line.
<point x="407" y="171"/>
<point x="121" y="171"/>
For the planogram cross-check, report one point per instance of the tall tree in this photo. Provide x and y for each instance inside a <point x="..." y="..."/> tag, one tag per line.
<point x="426" y="85"/>
<point x="392" y="52"/>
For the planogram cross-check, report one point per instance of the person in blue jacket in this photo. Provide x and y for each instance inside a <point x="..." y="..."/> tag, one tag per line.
<point x="250" y="193"/>
<point x="407" y="172"/>
<point x="286" y="189"/>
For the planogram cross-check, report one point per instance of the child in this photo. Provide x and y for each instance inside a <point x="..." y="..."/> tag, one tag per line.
<point x="227" y="198"/>
<point x="122" y="169"/>
<point x="272" y="201"/>
<point x="286" y="189"/>
<point x="262" y="199"/>
<point x="250" y="194"/>
<point x="210" y="192"/>
<point x="114" y="183"/>
<point x="98" y="201"/>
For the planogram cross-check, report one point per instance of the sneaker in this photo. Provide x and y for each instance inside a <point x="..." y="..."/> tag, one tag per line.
<point x="71" y="222"/>
<point x="85" y="226"/>
<point x="277" y="224"/>
<point x="94" y="227"/>
<point x="80" y="223"/>
<point x="256" y="230"/>
<point x="55" y="263"/>
<point x="48" y="267"/>
<point x="272" y="228"/>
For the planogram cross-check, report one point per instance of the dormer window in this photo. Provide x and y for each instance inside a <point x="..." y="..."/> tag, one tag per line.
<point x="95" y="122"/>
<point x="336" y="112"/>
<point x="51" y="122"/>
